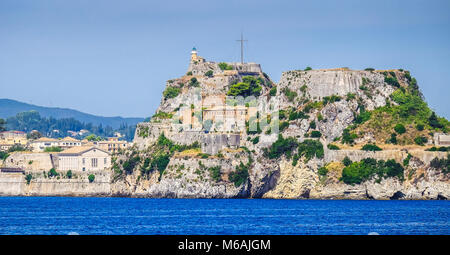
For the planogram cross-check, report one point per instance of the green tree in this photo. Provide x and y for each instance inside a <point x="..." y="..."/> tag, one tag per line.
<point x="215" y="173"/>
<point x="2" y="124"/>
<point x="91" y="137"/>
<point x="273" y="91"/>
<point x="393" y="138"/>
<point x="280" y="147"/>
<point x="28" y="178"/>
<point x="315" y="134"/>
<point x="91" y="178"/>
<point x="400" y="129"/>
<point x="69" y="174"/>
<point x="194" y="82"/>
<point x="290" y="95"/>
<point x="52" y="173"/>
<point x="310" y="148"/>
<point x="358" y="172"/>
<point x="370" y="147"/>
<point x="53" y="149"/>
<point x="434" y="122"/>
<point x="225" y="66"/>
<point x="171" y="92"/>
<point x="3" y="155"/>
<point x="239" y="176"/>
<point x="323" y="171"/>
<point x="209" y="73"/>
<point x="250" y="86"/>
<point x="333" y="147"/>
<point x="346" y="161"/>
<point x="420" y="140"/>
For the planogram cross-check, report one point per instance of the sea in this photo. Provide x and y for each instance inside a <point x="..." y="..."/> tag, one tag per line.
<point x="145" y="216"/>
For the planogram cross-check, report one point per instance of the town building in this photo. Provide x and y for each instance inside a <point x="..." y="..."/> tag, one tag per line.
<point x="68" y="142"/>
<point x="10" y="138"/>
<point x="43" y="142"/>
<point x="112" y="145"/>
<point x="83" y="158"/>
<point x="46" y="142"/>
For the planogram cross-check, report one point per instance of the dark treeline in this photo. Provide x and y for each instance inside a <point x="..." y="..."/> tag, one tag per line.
<point x="32" y="120"/>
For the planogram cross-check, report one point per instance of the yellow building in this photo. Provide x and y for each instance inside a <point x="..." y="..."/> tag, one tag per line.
<point x="112" y="145"/>
<point x="11" y="138"/>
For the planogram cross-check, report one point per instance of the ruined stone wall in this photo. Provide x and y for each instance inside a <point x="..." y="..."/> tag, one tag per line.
<point x="30" y="161"/>
<point x="398" y="155"/>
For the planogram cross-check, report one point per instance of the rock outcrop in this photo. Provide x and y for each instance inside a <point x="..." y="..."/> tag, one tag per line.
<point x="314" y="110"/>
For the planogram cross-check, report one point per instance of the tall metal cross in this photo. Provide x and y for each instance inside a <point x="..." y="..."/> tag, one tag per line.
<point x="242" y="47"/>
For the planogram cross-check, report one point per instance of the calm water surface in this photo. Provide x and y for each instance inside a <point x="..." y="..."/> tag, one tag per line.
<point x="63" y="215"/>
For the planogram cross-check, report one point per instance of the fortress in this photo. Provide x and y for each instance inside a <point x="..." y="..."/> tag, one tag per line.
<point x="199" y="66"/>
<point x="230" y="132"/>
<point x="206" y="117"/>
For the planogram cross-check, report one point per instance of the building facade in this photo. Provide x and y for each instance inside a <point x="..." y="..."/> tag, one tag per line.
<point x="83" y="158"/>
<point x="112" y="145"/>
<point x="10" y="138"/>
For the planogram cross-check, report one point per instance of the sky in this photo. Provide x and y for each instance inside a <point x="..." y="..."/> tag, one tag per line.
<point x="112" y="58"/>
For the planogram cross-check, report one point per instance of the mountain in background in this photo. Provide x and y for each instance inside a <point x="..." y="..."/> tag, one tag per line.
<point x="9" y="108"/>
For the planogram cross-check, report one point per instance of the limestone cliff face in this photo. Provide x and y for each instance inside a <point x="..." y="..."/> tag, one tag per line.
<point x="337" y="96"/>
<point x="303" y="181"/>
<point x="166" y="160"/>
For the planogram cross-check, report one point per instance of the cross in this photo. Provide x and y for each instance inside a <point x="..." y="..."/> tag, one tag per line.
<point x="242" y="47"/>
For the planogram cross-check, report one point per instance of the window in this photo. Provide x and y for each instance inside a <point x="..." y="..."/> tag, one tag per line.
<point x="84" y="161"/>
<point x="94" y="162"/>
<point x="104" y="161"/>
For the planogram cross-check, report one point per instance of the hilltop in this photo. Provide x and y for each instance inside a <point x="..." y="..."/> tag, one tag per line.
<point x="226" y="130"/>
<point x="9" y="108"/>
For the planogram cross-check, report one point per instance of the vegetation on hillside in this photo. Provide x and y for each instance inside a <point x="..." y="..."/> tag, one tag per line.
<point x="441" y="164"/>
<point x="358" y="172"/>
<point x="171" y="92"/>
<point x="308" y="149"/>
<point x="239" y="176"/>
<point x="156" y="157"/>
<point x="225" y="66"/>
<point x="407" y="119"/>
<point x="250" y="86"/>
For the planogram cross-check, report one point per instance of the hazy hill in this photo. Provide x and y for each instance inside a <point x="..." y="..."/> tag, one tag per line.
<point x="9" y="108"/>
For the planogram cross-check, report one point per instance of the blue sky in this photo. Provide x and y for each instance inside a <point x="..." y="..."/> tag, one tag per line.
<point x="113" y="57"/>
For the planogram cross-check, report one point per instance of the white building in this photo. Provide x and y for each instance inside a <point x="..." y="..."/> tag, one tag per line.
<point x="441" y="139"/>
<point x="83" y="158"/>
<point x="44" y="142"/>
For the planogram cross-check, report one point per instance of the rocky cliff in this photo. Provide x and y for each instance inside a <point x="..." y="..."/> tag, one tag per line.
<point x="334" y="111"/>
<point x="316" y="134"/>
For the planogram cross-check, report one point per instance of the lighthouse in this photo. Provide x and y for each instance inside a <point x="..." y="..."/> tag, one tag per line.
<point x="195" y="58"/>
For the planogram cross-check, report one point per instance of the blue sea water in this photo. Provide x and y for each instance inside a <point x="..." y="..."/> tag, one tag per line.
<point x="64" y="215"/>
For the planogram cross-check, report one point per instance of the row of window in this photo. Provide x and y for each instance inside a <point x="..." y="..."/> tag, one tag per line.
<point x="94" y="161"/>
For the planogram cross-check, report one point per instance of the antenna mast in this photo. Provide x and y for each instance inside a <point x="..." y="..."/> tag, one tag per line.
<point x="242" y="47"/>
